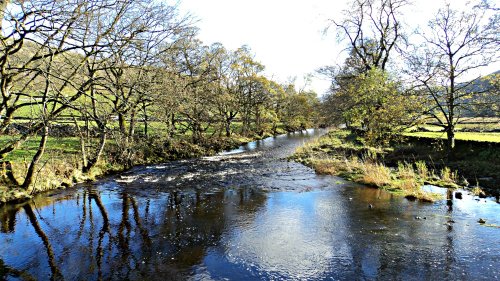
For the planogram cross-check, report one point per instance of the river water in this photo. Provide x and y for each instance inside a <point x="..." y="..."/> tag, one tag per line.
<point x="247" y="214"/>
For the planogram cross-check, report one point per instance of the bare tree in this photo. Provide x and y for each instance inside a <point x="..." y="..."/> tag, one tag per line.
<point x="455" y="45"/>
<point x="144" y="35"/>
<point x="34" y="71"/>
<point x="373" y="29"/>
<point x="68" y="53"/>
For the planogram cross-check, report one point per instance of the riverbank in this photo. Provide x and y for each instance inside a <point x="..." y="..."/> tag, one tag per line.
<point x="403" y="168"/>
<point x="274" y="219"/>
<point x="64" y="170"/>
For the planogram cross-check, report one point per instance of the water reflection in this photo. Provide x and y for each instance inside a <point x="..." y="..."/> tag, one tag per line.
<point x="290" y="238"/>
<point x="8" y="218"/>
<point x="103" y="235"/>
<point x="215" y="219"/>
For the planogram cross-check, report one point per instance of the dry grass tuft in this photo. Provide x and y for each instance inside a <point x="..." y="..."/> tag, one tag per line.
<point x="405" y="171"/>
<point x="422" y="170"/>
<point x="376" y="174"/>
<point x="422" y="196"/>
<point x="325" y="166"/>
<point x="448" y="176"/>
<point x="477" y="191"/>
<point x="328" y="155"/>
<point x="410" y="185"/>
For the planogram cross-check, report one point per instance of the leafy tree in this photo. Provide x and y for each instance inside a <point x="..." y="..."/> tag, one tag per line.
<point x="251" y="86"/>
<point x="225" y="99"/>
<point x="298" y="112"/>
<point x="196" y="64"/>
<point x="379" y="106"/>
<point x="373" y="31"/>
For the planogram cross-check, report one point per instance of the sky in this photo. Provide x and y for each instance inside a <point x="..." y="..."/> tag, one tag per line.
<point x="287" y="36"/>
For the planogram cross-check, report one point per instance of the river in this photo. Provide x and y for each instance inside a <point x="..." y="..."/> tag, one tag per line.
<point x="247" y="214"/>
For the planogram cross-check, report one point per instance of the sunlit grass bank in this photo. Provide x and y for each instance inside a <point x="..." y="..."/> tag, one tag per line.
<point x="61" y="163"/>
<point x="342" y="154"/>
<point x="467" y="136"/>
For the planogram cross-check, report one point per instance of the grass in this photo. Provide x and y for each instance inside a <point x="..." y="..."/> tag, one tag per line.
<point x="375" y="174"/>
<point x="482" y="129"/>
<point x="50" y="174"/>
<point x="12" y="194"/>
<point x="466" y="136"/>
<point x="472" y="162"/>
<point x="61" y="164"/>
<point x="56" y="147"/>
<point x="342" y="154"/>
<point x="406" y="183"/>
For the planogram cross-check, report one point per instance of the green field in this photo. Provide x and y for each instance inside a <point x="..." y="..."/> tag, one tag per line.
<point x="56" y="147"/>
<point x="482" y="129"/>
<point x="69" y="147"/>
<point x="468" y="136"/>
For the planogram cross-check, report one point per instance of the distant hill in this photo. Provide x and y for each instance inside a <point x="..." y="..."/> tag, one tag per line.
<point x="483" y="84"/>
<point x="485" y="95"/>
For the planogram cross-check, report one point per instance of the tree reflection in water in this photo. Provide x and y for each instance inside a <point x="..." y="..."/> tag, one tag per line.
<point x="209" y="218"/>
<point x="129" y="236"/>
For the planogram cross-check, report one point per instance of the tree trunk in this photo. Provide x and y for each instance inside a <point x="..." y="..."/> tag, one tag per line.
<point x="131" y="129"/>
<point x="82" y="141"/>
<point x="228" y="129"/>
<point x="172" y="125"/>
<point x="145" y="121"/>
<point x="91" y="163"/>
<point x="450" y="138"/>
<point x="7" y="119"/>
<point x="41" y="149"/>
<point x="7" y="166"/>
<point x="246" y="121"/>
<point x="258" y="121"/>
<point x="196" y="132"/>
<point x="123" y="125"/>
